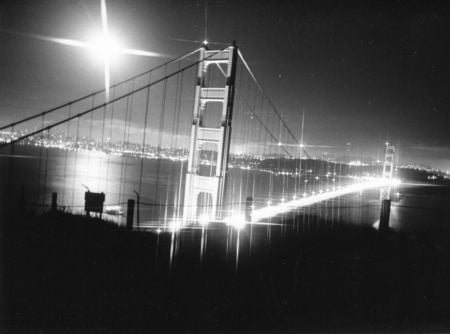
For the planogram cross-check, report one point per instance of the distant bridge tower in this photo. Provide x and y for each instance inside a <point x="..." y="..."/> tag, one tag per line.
<point x="204" y="190"/>
<point x="388" y="170"/>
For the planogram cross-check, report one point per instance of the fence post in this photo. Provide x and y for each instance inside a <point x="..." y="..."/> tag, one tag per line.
<point x="54" y="202"/>
<point x="130" y="214"/>
<point x="138" y="201"/>
<point x="384" y="215"/>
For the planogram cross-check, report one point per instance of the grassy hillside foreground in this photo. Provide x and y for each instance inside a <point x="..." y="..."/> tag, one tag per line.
<point x="65" y="274"/>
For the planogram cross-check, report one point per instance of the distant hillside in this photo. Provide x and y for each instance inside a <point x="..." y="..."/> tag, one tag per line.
<point x="321" y="167"/>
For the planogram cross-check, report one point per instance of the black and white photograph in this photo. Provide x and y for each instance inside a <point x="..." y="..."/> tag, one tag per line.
<point x="224" y="166"/>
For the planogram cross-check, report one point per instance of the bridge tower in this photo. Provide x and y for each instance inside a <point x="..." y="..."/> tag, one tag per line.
<point x="385" y="192"/>
<point x="204" y="191"/>
<point x="388" y="170"/>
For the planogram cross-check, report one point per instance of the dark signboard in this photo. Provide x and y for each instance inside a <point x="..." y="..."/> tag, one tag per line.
<point x="93" y="202"/>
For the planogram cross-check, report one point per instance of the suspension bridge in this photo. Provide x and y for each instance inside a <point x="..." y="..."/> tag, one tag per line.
<point x="193" y="141"/>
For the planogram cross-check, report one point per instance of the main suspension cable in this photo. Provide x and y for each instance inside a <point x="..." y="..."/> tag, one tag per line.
<point x="270" y="101"/>
<point x="97" y="92"/>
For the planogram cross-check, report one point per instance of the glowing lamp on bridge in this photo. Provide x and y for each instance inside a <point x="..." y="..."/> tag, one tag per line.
<point x="237" y="221"/>
<point x="175" y="226"/>
<point x="204" y="219"/>
<point x="395" y="182"/>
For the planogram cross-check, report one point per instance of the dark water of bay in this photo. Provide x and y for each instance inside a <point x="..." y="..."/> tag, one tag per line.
<point x="33" y="174"/>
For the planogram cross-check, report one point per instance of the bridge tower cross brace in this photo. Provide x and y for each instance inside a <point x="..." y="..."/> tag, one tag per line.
<point x="212" y="186"/>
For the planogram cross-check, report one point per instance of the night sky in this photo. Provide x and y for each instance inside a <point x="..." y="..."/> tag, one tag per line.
<point x="363" y="72"/>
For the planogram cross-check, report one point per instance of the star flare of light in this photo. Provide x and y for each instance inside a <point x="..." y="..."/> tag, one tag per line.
<point x="103" y="45"/>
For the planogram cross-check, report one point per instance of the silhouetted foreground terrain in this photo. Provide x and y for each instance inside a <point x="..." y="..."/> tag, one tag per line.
<point x="63" y="274"/>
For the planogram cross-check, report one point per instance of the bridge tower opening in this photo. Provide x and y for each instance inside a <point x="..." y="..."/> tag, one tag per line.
<point x="210" y="143"/>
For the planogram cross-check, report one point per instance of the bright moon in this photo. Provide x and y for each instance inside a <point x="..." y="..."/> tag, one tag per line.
<point x="105" y="47"/>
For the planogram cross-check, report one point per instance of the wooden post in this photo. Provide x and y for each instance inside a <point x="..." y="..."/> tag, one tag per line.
<point x="54" y="202"/>
<point x="248" y="209"/>
<point x="130" y="214"/>
<point x="384" y="215"/>
<point x="138" y="201"/>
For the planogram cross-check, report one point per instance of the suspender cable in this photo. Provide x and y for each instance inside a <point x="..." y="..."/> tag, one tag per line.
<point x="175" y="135"/>
<point x="178" y="111"/>
<point x="40" y="158"/>
<point x="66" y="154"/>
<point x="144" y="139"/>
<point x="160" y="133"/>
<point x="45" y="172"/>
<point x="11" y="165"/>
<point x="76" y="158"/>
<point x="128" y="106"/>
<point x="108" y="158"/>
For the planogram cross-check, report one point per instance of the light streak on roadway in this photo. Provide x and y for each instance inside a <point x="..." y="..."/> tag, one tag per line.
<point x="274" y="210"/>
<point x="238" y="221"/>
